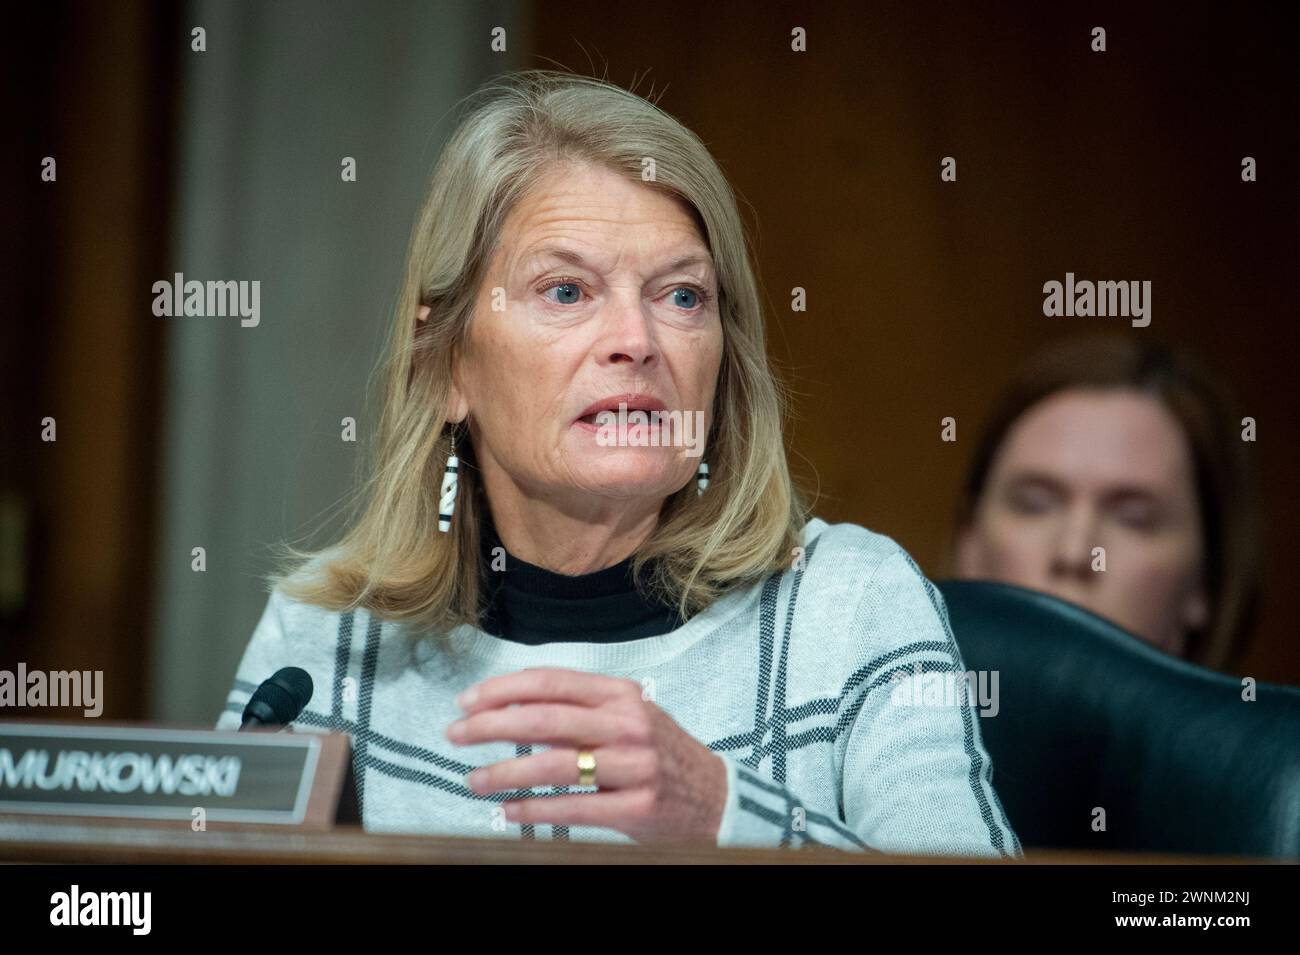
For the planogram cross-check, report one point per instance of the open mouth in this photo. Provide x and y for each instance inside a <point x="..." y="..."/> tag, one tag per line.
<point x="611" y="417"/>
<point x="608" y="410"/>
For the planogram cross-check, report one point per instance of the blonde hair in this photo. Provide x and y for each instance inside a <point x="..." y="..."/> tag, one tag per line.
<point x="393" y="560"/>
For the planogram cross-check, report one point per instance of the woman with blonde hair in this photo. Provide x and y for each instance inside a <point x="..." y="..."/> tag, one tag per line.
<point x="583" y="598"/>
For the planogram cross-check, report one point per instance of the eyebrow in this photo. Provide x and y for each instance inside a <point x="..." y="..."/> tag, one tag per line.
<point x="574" y="258"/>
<point x="1022" y="478"/>
<point x="1111" y="492"/>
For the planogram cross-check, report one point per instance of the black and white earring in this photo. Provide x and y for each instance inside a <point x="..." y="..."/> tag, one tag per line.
<point x="447" y="503"/>
<point x="702" y="478"/>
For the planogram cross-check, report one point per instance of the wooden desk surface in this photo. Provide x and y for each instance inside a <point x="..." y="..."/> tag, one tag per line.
<point x="32" y="839"/>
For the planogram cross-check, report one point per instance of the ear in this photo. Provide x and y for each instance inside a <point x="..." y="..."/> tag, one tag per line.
<point x="422" y="313"/>
<point x="457" y="402"/>
<point x="1196" y="609"/>
<point x="457" y="406"/>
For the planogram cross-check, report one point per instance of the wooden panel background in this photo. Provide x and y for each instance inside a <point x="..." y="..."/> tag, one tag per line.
<point x="923" y="296"/>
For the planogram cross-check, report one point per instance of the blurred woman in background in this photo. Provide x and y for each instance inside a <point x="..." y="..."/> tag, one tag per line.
<point x="1112" y="474"/>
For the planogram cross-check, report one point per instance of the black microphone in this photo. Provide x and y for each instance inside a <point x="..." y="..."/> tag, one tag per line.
<point x="279" y="700"/>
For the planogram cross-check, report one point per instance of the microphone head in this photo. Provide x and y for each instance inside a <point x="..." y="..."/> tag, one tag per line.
<point x="279" y="700"/>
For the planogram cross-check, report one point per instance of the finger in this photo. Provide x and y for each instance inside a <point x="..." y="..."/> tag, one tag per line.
<point x="616" y="768"/>
<point x="613" y="810"/>
<point x="555" y="723"/>
<point x="546" y="683"/>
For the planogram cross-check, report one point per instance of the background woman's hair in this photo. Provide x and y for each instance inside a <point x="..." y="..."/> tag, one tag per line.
<point x="393" y="560"/>
<point x="1223" y="475"/>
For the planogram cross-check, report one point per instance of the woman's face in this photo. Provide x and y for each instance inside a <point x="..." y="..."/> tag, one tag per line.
<point x="1084" y="469"/>
<point x="599" y="288"/>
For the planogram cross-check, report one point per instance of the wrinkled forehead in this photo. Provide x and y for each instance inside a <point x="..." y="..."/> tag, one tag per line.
<point x="590" y="217"/>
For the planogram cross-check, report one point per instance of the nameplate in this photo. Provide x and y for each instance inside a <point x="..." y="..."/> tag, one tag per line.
<point x="166" y="774"/>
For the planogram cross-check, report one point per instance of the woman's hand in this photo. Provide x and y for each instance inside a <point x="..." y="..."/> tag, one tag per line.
<point x="655" y="782"/>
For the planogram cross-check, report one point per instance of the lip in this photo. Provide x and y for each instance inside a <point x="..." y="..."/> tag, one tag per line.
<point x="634" y="402"/>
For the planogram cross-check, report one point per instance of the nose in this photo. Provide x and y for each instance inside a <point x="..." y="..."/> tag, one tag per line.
<point x="628" y="334"/>
<point x="1076" y="536"/>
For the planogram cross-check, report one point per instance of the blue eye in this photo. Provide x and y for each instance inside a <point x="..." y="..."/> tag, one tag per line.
<point x="686" y="290"/>
<point x="569" y="292"/>
<point x="567" y="289"/>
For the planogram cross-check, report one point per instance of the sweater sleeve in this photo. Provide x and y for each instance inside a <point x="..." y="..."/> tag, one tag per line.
<point x="760" y="812"/>
<point x="914" y="777"/>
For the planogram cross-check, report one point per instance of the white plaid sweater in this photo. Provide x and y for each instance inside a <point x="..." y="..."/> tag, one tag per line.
<point x="792" y="682"/>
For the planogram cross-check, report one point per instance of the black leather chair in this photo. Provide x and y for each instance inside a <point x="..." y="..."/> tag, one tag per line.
<point x="1090" y="716"/>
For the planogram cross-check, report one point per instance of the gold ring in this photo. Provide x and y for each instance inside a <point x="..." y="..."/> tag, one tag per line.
<point x="586" y="767"/>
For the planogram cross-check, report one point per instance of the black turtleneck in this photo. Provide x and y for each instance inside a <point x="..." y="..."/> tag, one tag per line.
<point x="530" y="604"/>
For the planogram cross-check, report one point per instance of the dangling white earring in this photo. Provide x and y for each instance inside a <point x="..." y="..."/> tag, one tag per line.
<point x="447" y="504"/>
<point x="702" y="478"/>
